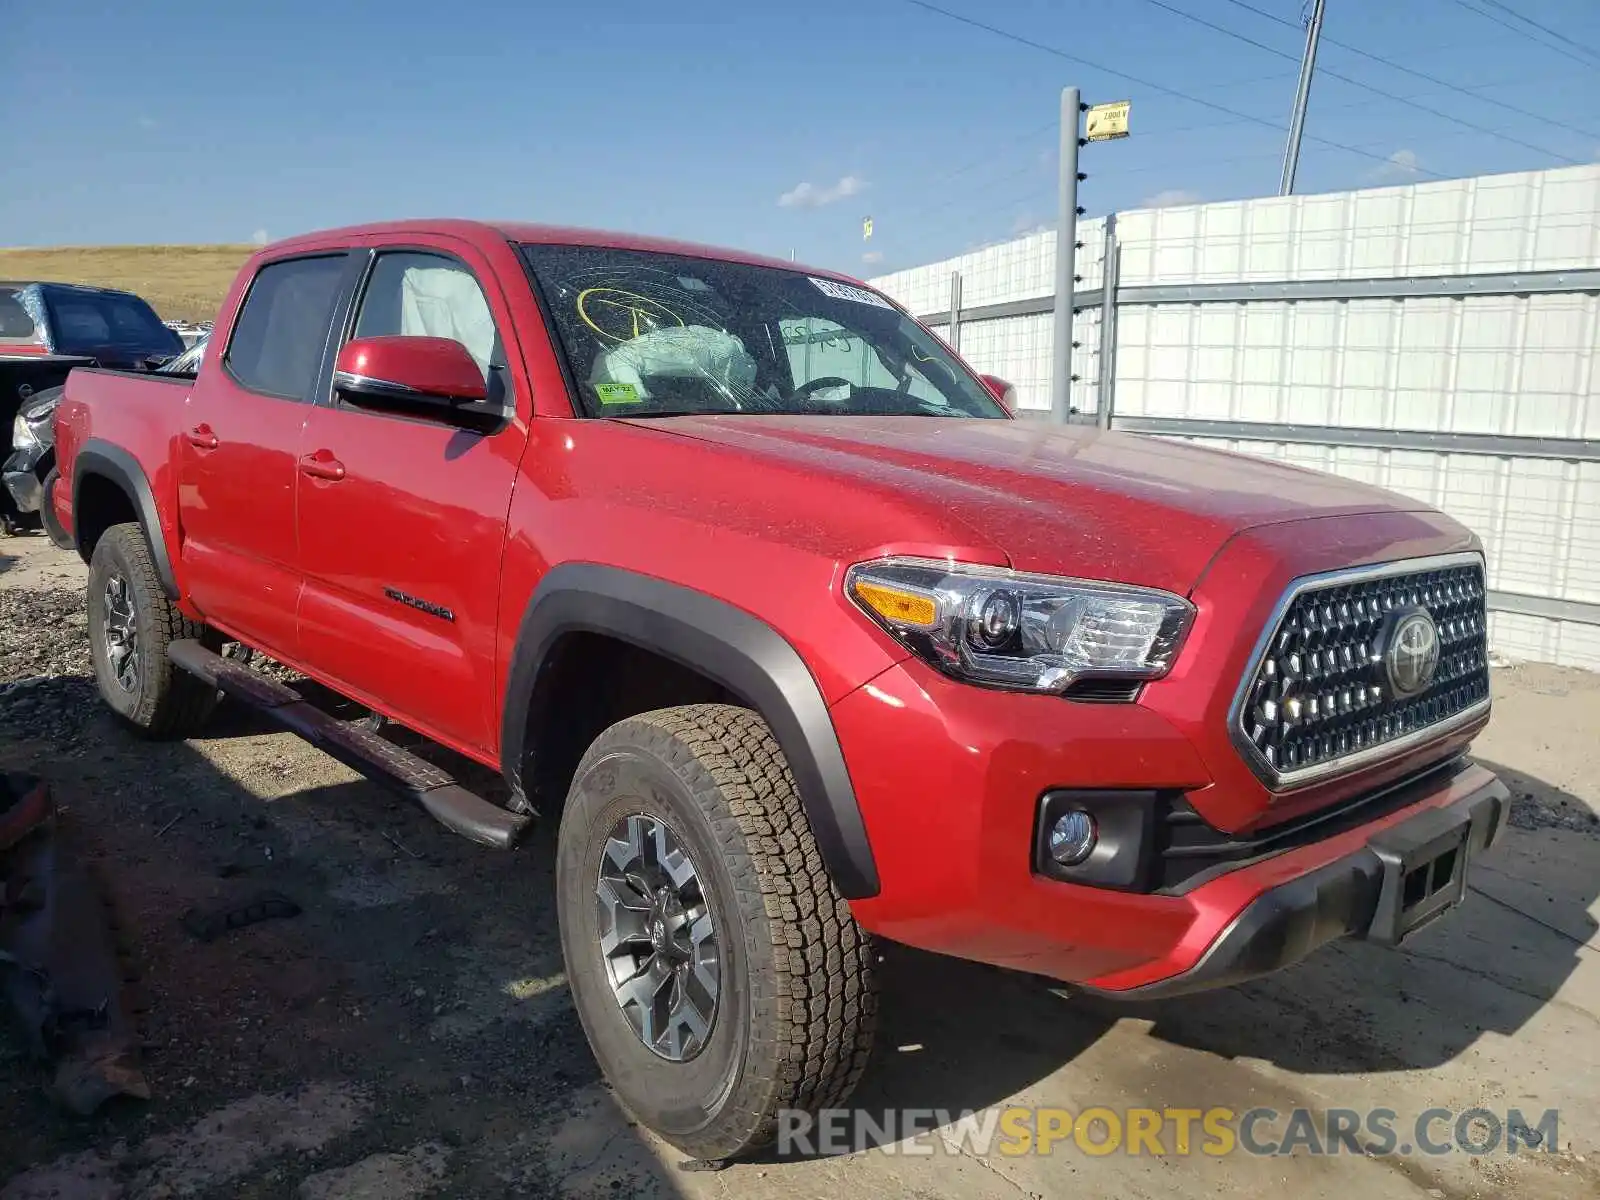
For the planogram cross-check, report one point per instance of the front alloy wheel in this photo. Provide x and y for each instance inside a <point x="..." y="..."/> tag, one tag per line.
<point x="717" y="972"/>
<point x="658" y="941"/>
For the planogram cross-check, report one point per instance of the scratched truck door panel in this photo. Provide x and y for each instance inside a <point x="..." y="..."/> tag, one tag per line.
<point x="402" y="516"/>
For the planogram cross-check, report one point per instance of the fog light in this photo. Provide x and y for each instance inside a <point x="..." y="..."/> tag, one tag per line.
<point x="1072" y="837"/>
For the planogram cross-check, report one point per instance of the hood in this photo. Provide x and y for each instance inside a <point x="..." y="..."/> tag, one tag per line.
<point x="1064" y="500"/>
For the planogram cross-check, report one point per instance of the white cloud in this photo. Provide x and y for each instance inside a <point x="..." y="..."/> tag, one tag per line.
<point x="809" y="195"/>
<point x="1400" y="167"/>
<point x="148" y="122"/>
<point x="1171" y="198"/>
<point x="259" y="237"/>
<point x="872" y="256"/>
<point x="1026" y="226"/>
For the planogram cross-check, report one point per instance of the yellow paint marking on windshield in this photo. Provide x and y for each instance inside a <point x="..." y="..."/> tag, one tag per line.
<point x="621" y="316"/>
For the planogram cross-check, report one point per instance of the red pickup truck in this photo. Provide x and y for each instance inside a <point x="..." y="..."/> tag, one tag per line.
<point x="805" y="638"/>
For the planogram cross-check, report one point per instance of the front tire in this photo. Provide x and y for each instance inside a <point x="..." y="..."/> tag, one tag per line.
<point x="718" y="974"/>
<point x="131" y="622"/>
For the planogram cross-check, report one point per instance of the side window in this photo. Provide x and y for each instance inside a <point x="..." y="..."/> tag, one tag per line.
<point x="427" y="295"/>
<point x="278" y="338"/>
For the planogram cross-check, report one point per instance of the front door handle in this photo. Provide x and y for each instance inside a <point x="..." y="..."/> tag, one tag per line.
<point x="201" y="437"/>
<point x="322" y="465"/>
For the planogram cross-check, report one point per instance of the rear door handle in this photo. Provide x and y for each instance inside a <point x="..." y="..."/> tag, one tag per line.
<point x="201" y="438"/>
<point x="322" y="465"/>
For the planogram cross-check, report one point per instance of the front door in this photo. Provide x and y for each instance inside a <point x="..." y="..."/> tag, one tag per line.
<point x="241" y="431"/>
<point x="401" y="550"/>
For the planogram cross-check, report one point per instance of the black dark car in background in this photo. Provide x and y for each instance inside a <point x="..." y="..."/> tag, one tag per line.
<point x="46" y="329"/>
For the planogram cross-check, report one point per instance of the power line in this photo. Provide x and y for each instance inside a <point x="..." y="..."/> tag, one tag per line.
<point x="1145" y="83"/>
<point x="1462" y="121"/>
<point x="1555" y="33"/>
<point x="1341" y="106"/>
<point x="1412" y="71"/>
<point x="1517" y="29"/>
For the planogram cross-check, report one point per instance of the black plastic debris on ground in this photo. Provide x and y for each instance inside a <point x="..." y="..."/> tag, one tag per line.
<point x="59" y="968"/>
<point x="210" y="923"/>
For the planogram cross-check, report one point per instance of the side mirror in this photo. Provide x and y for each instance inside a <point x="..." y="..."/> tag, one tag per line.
<point x="428" y="376"/>
<point x="1002" y="391"/>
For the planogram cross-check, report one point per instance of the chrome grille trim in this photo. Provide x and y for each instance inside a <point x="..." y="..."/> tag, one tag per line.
<point x="1279" y="779"/>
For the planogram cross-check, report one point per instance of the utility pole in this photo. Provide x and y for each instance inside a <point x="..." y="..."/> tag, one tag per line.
<point x="1066" y="254"/>
<point x="1297" y="122"/>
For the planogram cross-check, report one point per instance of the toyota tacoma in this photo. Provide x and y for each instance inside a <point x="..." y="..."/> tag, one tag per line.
<point x="736" y="572"/>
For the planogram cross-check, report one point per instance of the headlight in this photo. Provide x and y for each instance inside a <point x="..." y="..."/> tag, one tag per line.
<point x="22" y="437"/>
<point x="1032" y="633"/>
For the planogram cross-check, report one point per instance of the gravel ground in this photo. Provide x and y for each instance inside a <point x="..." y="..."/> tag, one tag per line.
<point x="409" y="1034"/>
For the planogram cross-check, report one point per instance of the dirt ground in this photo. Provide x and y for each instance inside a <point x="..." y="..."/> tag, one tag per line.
<point x="409" y="1033"/>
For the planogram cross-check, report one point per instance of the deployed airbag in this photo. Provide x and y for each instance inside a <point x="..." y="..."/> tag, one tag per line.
<point x="677" y="352"/>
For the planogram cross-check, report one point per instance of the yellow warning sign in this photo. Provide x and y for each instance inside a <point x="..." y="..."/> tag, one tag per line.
<point x="1107" y="121"/>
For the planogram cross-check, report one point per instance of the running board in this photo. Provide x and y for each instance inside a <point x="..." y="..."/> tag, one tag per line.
<point x="452" y="805"/>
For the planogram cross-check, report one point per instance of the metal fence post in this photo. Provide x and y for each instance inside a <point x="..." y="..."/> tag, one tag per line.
<point x="1066" y="247"/>
<point x="1110" y="268"/>
<point x="955" y="311"/>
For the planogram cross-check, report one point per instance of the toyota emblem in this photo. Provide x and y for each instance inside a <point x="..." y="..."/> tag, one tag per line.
<point x="1412" y="654"/>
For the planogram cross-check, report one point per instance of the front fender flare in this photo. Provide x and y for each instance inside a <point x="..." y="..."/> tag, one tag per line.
<point x="739" y="651"/>
<point x="111" y="462"/>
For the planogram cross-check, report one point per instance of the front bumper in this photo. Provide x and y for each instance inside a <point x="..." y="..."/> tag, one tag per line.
<point x="21" y="477"/>
<point x="950" y="780"/>
<point x="1406" y="876"/>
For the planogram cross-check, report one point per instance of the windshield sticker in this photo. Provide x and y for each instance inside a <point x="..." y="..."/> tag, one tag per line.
<point x="843" y="291"/>
<point x="617" y="393"/>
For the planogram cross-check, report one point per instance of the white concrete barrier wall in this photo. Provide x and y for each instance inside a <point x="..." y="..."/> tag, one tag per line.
<point x="1497" y="364"/>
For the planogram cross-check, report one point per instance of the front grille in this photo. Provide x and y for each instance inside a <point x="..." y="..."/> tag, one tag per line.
<point x="1322" y="693"/>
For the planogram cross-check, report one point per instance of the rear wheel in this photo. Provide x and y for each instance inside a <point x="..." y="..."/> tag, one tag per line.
<point x="131" y="621"/>
<point x="718" y="974"/>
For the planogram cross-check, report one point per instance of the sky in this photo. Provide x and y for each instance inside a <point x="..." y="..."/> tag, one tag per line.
<point x="770" y="127"/>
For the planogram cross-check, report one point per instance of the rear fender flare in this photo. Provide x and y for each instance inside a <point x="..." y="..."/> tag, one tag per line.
<point x="115" y="464"/>
<point x="730" y="646"/>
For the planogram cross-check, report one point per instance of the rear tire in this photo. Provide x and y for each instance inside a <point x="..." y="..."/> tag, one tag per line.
<point x="794" y="1003"/>
<point x="131" y="621"/>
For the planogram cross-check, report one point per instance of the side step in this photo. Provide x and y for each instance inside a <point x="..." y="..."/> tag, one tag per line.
<point x="450" y="804"/>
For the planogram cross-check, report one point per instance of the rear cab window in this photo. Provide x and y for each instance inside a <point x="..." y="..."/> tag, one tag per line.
<point x="88" y="321"/>
<point x="278" y="338"/>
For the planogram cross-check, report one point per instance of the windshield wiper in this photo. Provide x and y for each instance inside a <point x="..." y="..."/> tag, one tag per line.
<point x="676" y="412"/>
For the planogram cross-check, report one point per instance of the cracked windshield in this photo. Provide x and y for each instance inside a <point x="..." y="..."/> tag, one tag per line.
<point x="655" y="335"/>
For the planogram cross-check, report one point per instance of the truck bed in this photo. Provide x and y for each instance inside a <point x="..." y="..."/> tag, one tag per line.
<point x="134" y="416"/>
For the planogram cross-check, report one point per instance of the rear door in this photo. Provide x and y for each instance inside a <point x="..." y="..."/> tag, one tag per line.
<point x="401" y="552"/>
<point x="238" y="447"/>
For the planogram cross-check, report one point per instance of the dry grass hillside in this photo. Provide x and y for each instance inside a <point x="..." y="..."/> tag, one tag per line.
<point x="181" y="282"/>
